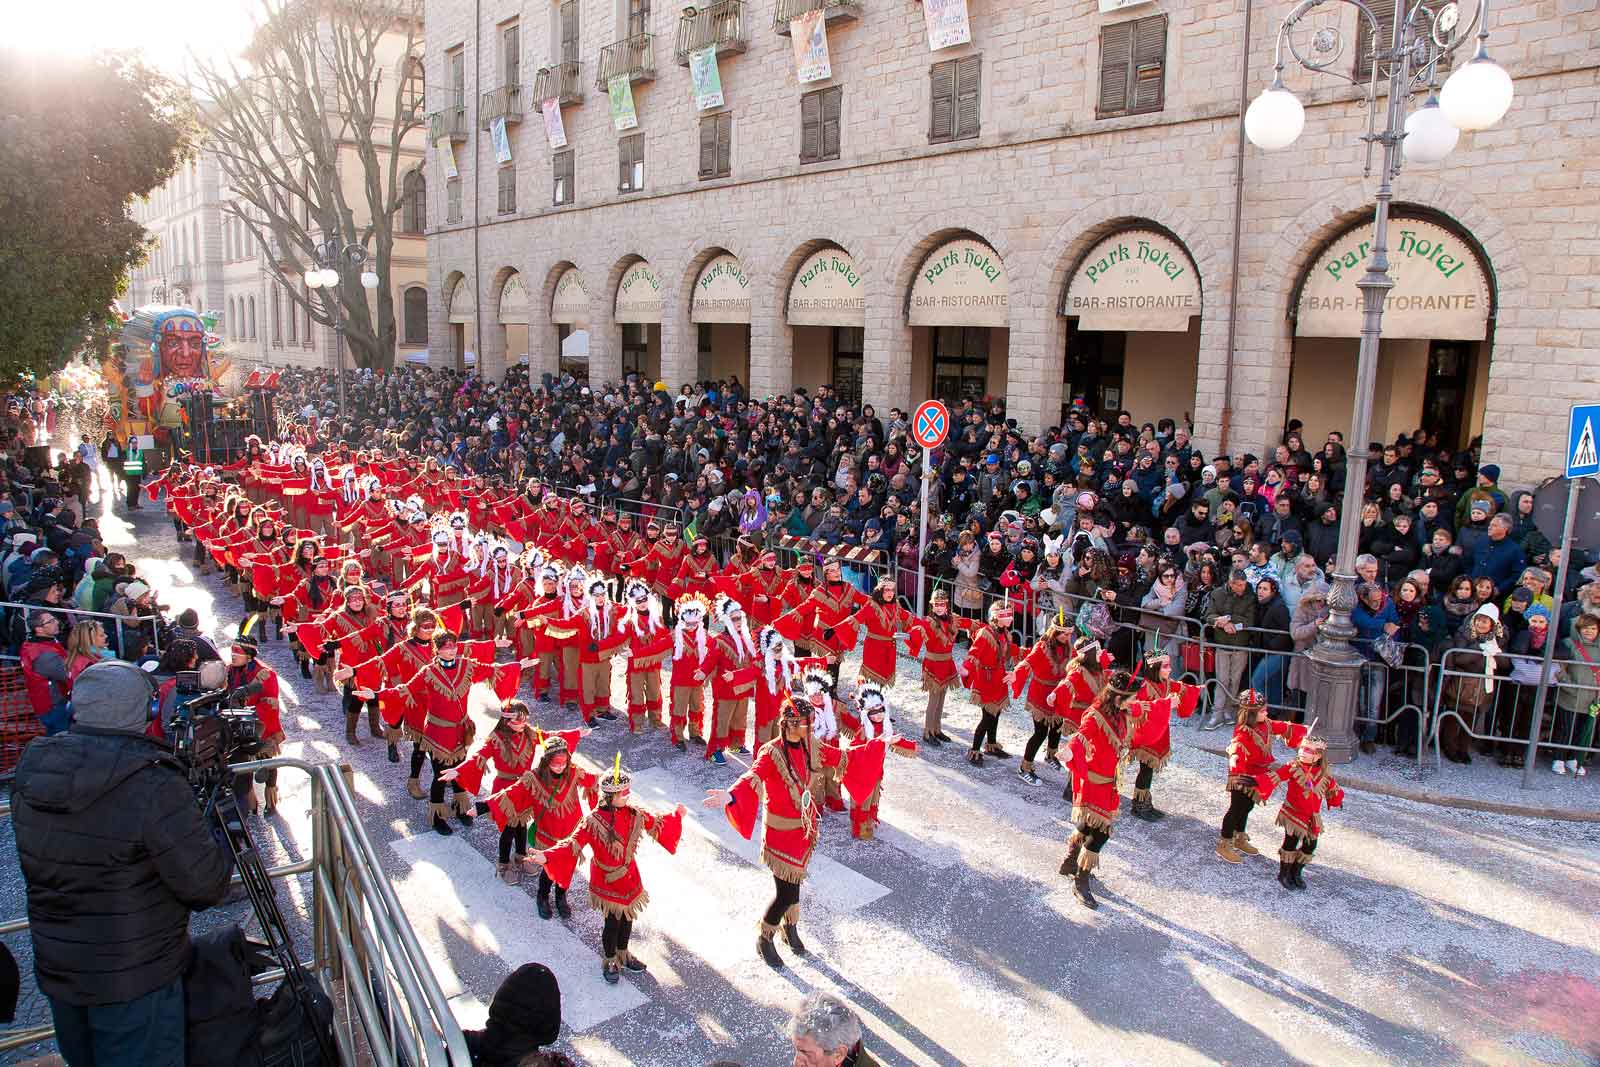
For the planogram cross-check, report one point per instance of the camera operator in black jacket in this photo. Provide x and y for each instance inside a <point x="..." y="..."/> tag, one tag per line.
<point x="115" y="855"/>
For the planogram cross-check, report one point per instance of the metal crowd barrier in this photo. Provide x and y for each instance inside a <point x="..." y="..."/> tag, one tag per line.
<point x="389" y="1009"/>
<point x="147" y="623"/>
<point x="1464" y="704"/>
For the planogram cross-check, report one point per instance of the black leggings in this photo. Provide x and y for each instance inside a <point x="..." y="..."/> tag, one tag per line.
<point x="988" y="726"/>
<point x="544" y="886"/>
<point x="1147" y="774"/>
<point x="614" y="936"/>
<point x="354" y="705"/>
<point x="1094" y="840"/>
<point x="417" y="756"/>
<point x="786" y="896"/>
<point x="516" y="836"/>
<point x="1303" y="845"/>
<point x="437" y="786"/>
<point x="1239" y="805"/>
<point x="1031" y="749"/>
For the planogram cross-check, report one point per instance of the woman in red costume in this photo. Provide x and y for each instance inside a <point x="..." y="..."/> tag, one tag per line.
<point x="984" y="673"/>
<point x="1094" y="755"/>
<point x="1250" y="757"/>
<point x="1152" y="736"/>
<point x="1310" y="788"/>
<point x="879" y="620"/>
<point x="1040" y="671"/>
<point x="611" y="833"/>
<point x="933" y="642"/>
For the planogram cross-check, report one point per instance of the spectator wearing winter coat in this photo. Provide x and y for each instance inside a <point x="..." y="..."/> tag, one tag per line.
<point x="116" y="855"/>
<point x="1230" y="614"/>
<point x="1374" y="617"/>
<point x="1322" y="536"/>
<point x="1498" y="557"/>
<point x="1578" y="696"/>
<point x="1304" y="625"/>
<point x="1303" y="577"/>
<point x="44" y="671"/>
<point x="1274" y="639"/>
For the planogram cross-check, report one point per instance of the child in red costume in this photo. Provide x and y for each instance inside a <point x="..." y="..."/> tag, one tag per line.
<point x="1040" y="672"/>
<point x="873" y="736"/>
<point x="649" y="644"/>
<point x="1094" y="755"/>
<point x="1310" y="787"/>
<point x="611" y="832"/>
<point x="933" y="643"/>
<point x="731" y="666"/>
<point x="984" y="673"/>
<point x="777" y="672"/>
<point x="1250" y="757"/>
<point x="600" y="638"/>
<point x="691" y="647"/>
<point x="1151" y="746"/>
<point x="1085" y="677"/>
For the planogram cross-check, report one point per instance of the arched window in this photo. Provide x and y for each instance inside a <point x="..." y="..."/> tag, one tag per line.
<point x="277" y="316"/>
<point x="293" y="315"/>
<point x="414" y="203"/>
<point x="252" y="318"/>
<point x="416" y="316"/>
<point x="228" y="326"/>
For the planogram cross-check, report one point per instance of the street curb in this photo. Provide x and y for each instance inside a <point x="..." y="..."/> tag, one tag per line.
<point x="1463" y="803"/>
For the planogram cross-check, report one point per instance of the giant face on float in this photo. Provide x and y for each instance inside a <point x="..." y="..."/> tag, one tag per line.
<point x="182" y="351"/>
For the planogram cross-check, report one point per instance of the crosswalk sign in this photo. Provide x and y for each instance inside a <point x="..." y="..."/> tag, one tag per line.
<point x="1582" y="457"/>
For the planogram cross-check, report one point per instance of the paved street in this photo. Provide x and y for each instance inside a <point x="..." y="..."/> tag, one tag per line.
<point x="1429" y="935"/>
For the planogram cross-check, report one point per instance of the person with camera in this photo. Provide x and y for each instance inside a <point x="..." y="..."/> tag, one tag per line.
<point x="115" y="855"/>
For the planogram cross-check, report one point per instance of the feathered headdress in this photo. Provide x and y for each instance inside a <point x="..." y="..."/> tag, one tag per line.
<point x="818" y="685"/>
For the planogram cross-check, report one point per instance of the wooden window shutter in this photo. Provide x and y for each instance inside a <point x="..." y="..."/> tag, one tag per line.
<point x="832" y="104"/>
<point x="1383" y="11"/>
<point x="1116" y="56"/>
<point x="969" y="73"/>
<point x="708" y="146"/>
<point x="724" y="125"/>
<point x="942" y="101"/>
<point x="569" y="31"/>
<point x="1149" y="64"/>
<point x="810" y="127"/>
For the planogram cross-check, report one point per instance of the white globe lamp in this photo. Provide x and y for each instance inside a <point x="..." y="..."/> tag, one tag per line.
<point x="369" y="280"/>
<point x="1477" y="95"/>
<point x="330" y="277"/>
<point x="313" y="278"/>
<point x="1430" y="135"/>
<point x="1274" y="119"/>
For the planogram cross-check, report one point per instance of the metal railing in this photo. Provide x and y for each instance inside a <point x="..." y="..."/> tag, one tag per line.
<point x="450" y="120"/>
<point x="721" y="25"/>
<point x="564" y="82"/>
<point x="785" y="11"/>
<point x="1472" y="703"/>
<point x="504" y="102"/>
<point x="145" y="624"/>
<point x="632" y="57"/>
<point x="388" y="1007"/>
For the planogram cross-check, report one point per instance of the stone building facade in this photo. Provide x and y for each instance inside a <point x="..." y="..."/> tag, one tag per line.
<point x="1047" y="211"/>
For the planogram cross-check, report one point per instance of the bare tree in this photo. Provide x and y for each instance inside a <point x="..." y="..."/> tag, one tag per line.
<point x="323" y="86"/>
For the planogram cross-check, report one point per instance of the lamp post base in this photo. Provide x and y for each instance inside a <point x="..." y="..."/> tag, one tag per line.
<point x="1332" y="695"/>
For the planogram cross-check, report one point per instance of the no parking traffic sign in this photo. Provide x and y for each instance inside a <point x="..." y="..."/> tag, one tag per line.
<point x="931" y="424"/>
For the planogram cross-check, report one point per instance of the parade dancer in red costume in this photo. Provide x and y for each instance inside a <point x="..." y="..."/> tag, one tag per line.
<point x="984" y="673"/>
<point x="600" y="639"/>
<point x="933" y="642"/>
<point x="778" y="673"/>
<point x="649" y="644"/>
<point x="879" y="620"/>
<point x="1085" y="677"/>
<point x="1152" y="736"/>
<point x="1094" y="755"/>
<point x="873" y="736"/>
<point x="1250" y="757"/>
<point x="570" y="629"/>
<point x="690" y="649"/>
<point x="731" y="666"/>
<point x="254" y="685"/>
<point x="823" y="621"/>
<point x="1310" y="787"/>
<point x="781" y="775"/>
<point x="611" y="832"/>
<point x="1040" y="671"/>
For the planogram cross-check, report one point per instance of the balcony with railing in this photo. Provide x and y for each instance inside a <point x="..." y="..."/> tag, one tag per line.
<point x="633" y="57"/>
<point x="449" y="120"/>
<point x="504" y="102"/>
<point x="564" y="81"/>
<point x="721" y="25"/>
<point x="784" y="11"/>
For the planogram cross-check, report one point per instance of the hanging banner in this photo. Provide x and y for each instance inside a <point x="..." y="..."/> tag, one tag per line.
<point x="1440" y="292"/>
<point x="502" y="143"/>
<point x="947" y="23"/>
<point x="447" y="157"/>
<point x="1134" y="280"/>
<point x="809" y="34"/>
<point x="620" y="90"/>
<point x="554" y="131"/>
<point x="706" y="78"/>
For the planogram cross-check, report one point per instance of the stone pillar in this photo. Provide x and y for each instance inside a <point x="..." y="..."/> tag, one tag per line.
<point x="886" y="356"/>
<point x="441" y="341"/>
<point x="1034" y="367"/>
<point x="679" y="339"/>
<point x="492" y="348"/>
<point x="771" y="345"/>
<point x="605" y="342"/>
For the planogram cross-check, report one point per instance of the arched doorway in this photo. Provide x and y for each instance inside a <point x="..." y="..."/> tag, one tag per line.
<point x="720" y="311"/>
<point x="959" y="314"/>
<point x="638" y="312"/>
<point x="569" y="312"/>
<point x="462" y="317"/>
<point x="1132" y="306"/>
<point x="513" y="318"/>
<point x="827" y="309"/>
<point x="1433" y="358"/>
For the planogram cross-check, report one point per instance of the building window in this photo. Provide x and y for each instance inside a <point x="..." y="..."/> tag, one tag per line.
<point x="953" y="94"/>
<point x="630" y="163"/>
<point x="510" y="54"/>
<point x="960" y="363"/>
<point x="277" y="317"/>
<point x="819" y="124"/>
<point x="1133" y="67"/>
<point x="413" y="202"/>
<point x="849" y="356"/>
<point x="635" y="347"/>
<point x="416" y="316"/>
<point x="413" y="86"/>
<point x="506" y="190"/>
<point x="308" y="342"/>
<point x="638" y="17"/>
<point x="452" y="200"/>
<point x="716" y="145"/>
<point x="252" y="318"/>
<point x="291" y="319"/>
<point x="230" y="326"/>
<point x="562" y="165"/>
<point x="455" y="64"/>
<point x="569" y="31"/>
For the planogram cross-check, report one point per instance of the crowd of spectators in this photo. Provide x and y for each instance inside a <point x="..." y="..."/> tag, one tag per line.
<point x="1169" y="542"/>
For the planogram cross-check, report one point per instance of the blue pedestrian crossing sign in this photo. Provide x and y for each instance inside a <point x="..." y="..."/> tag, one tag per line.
<point x="1582" y="460"/>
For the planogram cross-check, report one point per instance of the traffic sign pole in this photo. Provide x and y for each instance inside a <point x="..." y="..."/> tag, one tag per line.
<point x="929" y="426"/>
<point x="922" y="539"/>
<point x="1552" y="637"/>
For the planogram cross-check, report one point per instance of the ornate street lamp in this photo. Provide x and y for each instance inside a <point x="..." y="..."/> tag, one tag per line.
<point x="332" y="260"/>
<point x="1475" y="97"/>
